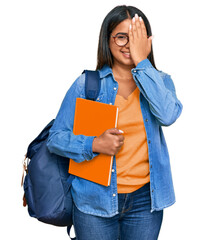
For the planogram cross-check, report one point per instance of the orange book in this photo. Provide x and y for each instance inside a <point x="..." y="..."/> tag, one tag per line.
<point x="92" y="119"/>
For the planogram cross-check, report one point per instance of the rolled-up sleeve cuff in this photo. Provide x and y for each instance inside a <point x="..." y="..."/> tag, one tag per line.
<point x="88" y="153"/>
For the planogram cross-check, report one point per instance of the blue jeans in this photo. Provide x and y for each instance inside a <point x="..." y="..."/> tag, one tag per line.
<point x="134" y="221"/>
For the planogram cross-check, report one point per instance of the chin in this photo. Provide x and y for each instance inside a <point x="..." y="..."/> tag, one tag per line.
<point x="129" y="63"/>
<point x="125" y="62"/>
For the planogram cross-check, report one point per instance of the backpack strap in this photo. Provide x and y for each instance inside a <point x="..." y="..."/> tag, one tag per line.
<point x="68" y="232"/>
<point x="92" y="84"/>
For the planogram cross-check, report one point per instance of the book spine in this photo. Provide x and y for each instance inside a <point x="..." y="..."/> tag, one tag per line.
<point x="111" y="164"/>
<point x="116" y="120"/>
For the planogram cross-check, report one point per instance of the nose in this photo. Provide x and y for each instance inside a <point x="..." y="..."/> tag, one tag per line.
<point x="127" y="45"/>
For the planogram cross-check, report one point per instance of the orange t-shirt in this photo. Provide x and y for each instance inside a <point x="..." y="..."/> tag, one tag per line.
<point x="132" y="160"/>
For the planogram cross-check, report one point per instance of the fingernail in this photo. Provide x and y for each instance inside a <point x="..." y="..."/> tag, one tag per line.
<point x="121" y="131"/>
<point x="130" y="26"/>
<point x="133" y="19"/>
<point x="140" y="19"/>
<point x="136" y="15"/>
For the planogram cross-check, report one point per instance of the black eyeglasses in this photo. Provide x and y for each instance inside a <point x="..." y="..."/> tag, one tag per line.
<point x="121" y="39"/>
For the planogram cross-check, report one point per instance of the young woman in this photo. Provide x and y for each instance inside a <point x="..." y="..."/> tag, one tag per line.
<point x="141" y="182"/>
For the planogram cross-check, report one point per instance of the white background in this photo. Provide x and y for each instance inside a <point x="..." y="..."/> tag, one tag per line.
<point x="44" y="47"/>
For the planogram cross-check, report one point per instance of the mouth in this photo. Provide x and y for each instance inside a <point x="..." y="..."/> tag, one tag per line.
<point x="126" y="54"/>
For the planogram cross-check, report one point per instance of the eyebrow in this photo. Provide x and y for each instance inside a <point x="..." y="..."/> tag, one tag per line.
<point x="123" y="33"/>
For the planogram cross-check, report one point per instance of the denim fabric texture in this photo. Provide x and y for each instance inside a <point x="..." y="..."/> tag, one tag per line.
<point x="159" y="106"/>
<point x="134" y="220"/>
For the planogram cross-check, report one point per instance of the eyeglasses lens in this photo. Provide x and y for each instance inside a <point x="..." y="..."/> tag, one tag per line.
<point x="121" y="40"/>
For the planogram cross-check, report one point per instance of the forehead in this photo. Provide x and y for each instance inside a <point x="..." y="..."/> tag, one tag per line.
<point x="122" y="27"/>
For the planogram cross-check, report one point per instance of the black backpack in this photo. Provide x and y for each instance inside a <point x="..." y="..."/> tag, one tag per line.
<point x="47" y="181"/>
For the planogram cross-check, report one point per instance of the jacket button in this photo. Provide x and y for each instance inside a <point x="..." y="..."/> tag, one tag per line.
<point x="134" y="71"/>
<point x="114" y="194"/>
<point x="115" y="88"/>
<point x="149" y="141"/>
<point x="113" y="170"/>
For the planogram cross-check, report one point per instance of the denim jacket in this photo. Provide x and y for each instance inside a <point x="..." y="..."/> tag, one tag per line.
<point x="159" y="106"/>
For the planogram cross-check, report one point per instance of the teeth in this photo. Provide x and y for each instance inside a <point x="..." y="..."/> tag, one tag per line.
<point x="127" y="53"/>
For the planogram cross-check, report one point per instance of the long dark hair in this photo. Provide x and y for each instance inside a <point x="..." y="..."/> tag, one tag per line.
<point x="113" y="18"/>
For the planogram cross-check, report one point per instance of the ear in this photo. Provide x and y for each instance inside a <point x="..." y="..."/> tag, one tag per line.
<point x="150" y="40"/>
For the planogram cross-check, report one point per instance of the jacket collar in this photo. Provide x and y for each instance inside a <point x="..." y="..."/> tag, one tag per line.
<point x="105" y="71"/>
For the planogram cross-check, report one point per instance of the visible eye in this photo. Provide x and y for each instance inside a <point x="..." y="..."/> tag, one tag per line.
<point x="121" y="37"/>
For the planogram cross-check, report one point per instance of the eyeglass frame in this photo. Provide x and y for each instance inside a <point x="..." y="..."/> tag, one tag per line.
<point x="125" y="34"/>
<point x="121" y="33"/>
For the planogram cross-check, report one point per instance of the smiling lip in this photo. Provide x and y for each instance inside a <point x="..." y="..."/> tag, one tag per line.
<point x="126" y="54"/>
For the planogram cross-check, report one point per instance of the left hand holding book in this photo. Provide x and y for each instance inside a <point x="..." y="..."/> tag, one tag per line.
<point x="109" y="142"/>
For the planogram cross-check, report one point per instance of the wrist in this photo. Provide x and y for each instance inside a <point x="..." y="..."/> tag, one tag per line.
<point x="137" y="61"/>
<point x="94" y="144"/>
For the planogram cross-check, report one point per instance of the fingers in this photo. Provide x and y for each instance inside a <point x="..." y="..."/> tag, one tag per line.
<point x="143" y="28"/>
<point x="134" y="27"/>
<point x="121" y="138"/>
<point x="137" y="28"/>
<point x="130" y="33"/>
<point x="138" y="25"/>
<point x="115" y="131"/>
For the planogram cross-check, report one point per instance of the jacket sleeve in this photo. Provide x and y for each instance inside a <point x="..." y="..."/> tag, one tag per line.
<point x="158" y="89"/>
<point x="61" y="139"/>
